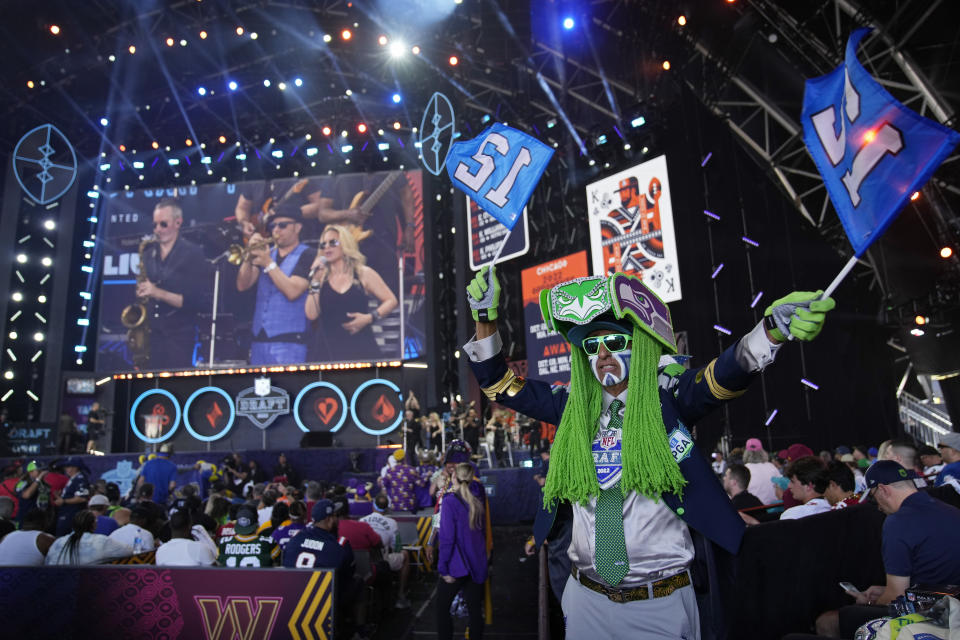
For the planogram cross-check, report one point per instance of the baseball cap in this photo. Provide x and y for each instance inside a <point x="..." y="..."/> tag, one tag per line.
<point x="795" y="451"/>
<point x="847" y="457"/>
<point x="842" y="449"/>
<point x="458" y="451"/>
<point x="322" y="510"/>
<point x="754" y="444"/>
<point x="247" y="520"/>
<point x="98" y="500"/>
<point x="886" y="472"/>
<point x="73" y="461"/>
<point x="872" y="451"/>
<point x="577" y="333"/>
<point x="36" y="465"/>
<point x="950" y="440"/>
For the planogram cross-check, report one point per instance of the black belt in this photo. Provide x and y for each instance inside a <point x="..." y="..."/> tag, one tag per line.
<point x="661" y="588"/>
<point x="282" y="337"/>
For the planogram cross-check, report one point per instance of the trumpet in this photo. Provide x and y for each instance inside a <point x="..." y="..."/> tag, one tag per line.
<point x="237" y="254"/>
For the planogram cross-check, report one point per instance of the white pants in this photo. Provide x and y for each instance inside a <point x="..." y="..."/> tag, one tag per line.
<point x="589" y="615"/>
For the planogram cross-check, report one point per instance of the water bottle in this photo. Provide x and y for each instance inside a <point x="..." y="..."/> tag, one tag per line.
<point x="397" y="545"/>
<point x="137" y="545"/>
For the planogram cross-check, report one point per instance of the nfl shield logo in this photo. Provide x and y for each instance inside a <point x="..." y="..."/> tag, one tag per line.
<point x="607" y="441"/>
<point x="261" y="386"/>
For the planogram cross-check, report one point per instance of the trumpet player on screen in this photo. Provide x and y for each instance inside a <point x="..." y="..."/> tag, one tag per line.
<point x="280" y="267"/>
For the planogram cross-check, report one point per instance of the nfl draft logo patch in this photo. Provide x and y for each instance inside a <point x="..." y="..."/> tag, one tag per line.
<point x="681" y="444"/>
<point x="606" y="457"/>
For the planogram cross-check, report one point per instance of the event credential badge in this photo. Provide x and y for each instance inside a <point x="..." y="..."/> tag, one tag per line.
<point x="606" y="456"/>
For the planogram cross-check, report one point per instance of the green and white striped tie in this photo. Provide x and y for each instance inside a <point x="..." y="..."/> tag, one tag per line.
<point x="611" y="549"/>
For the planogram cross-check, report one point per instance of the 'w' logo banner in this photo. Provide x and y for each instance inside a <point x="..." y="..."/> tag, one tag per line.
<point x="872" y="151"/>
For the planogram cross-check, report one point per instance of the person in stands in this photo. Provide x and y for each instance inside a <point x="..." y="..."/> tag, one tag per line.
<point x="82" y="546"/>
<point x="461" y="555"/>
<point x="29" y="545"/>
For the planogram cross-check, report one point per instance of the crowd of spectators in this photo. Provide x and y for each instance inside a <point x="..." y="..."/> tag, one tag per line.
<point x="238" y="515"/>
<point x="920" y="534"/>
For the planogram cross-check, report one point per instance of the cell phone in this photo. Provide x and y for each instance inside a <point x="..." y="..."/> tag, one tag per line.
<point x="849" y="588"/>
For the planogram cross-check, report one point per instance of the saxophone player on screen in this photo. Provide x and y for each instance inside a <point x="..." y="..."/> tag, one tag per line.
<point x="176" y="289"/>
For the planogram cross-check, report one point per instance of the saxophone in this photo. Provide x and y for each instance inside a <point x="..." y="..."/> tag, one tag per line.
<point x="134" y="316"/>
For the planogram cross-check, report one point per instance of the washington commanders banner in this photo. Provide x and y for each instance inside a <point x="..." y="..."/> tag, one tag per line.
<point x="548" y="354"/>
<point x="872" y="151"/>
<point x="631" y="227"/>
<point x="152" y="602"/>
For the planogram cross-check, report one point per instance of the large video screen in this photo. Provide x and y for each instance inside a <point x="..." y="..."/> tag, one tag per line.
<point x="262" y="273"/>
<point x="631" y="227"/>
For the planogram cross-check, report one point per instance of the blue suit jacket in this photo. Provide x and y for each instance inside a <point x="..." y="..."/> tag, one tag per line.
<point x="684" y="399"/>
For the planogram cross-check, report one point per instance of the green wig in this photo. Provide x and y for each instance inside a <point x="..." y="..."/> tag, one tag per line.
<point x="648" y="465"/>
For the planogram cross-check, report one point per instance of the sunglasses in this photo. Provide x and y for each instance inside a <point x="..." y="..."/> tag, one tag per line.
<point x="614" y="342"/>
<point x="279" y="225"/>
<point x="163" y="224"/>
<point x="329" y="243"/>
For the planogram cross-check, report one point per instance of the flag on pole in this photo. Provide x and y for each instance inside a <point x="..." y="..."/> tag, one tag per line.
<point x="499" y="170"/>
<point x="872" y="151"/>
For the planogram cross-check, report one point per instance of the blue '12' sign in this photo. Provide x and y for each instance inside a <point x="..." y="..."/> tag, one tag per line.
<point x="872" y="151"/>
<point x="499" y="170"/>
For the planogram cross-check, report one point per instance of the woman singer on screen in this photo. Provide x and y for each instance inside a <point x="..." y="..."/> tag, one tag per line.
<point x="340" y="287"/>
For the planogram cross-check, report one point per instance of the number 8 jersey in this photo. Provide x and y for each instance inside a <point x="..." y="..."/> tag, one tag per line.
<point x="252" y="550"/>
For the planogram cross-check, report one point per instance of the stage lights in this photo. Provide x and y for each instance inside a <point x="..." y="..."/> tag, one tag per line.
<point x="232" y="85"/>
<point x="155" y="144"/>
<point x="327" y="37"/>
<point x="188" y="142"/>
<point x="639" y="121"/>
<point x="202" y="91"/>
<point x="42" y="299"/>
<point x="916" y="332"/>
<point x="362" y="128"/>
<point x="104" y="122"/>
<point x="346" y="34"/>
<point x="239" y="31"/>
<point x="347" y="148"/>
<point x="946" y="252"/>
<point x="282" y="86"/>
<point x="682" y="21"/>
<point x="254" y="35"/>
<point x="17" y="296"/>
<point x="397" y="49"/>
<point x="915" y="196"/>
<point x="22" y="258"/>
<point x="454" y="61"/>
<point x="222" y="139"/>
<point x="49" y="225"/>
<point x="568" y="23"/>
<point x="666" y="65"/>
<point x="326" y="131"/>
<point x="47" y="261"/>
<point x="170" y="42"/>
<point x="38" y="336"/>
<point x="415" y="50"/>
<point x="396" y="99"/>
<point x="132" y="49"/>
<point x="8" y="374"/>
<point x="396" y="125"/>
<point x="13" y="335"/>
<point x="298" y="82"/>
<point x="30" y="84"/>
<point x="203" y="35"/>
<point x="382" y="40"/>
<point x="921" y="320"/>
<point x="266" y="82"/>
<point x="55" y="29"/>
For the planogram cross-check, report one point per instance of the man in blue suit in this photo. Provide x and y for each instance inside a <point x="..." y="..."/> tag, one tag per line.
<point x="624" y="457"/>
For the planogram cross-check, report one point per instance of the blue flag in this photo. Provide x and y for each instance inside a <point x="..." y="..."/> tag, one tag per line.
<point x="499" y="169"/>
<point x="872" y="151"/>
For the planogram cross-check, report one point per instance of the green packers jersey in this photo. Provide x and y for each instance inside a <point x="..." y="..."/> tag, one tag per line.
<point x="248" y="551"/>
